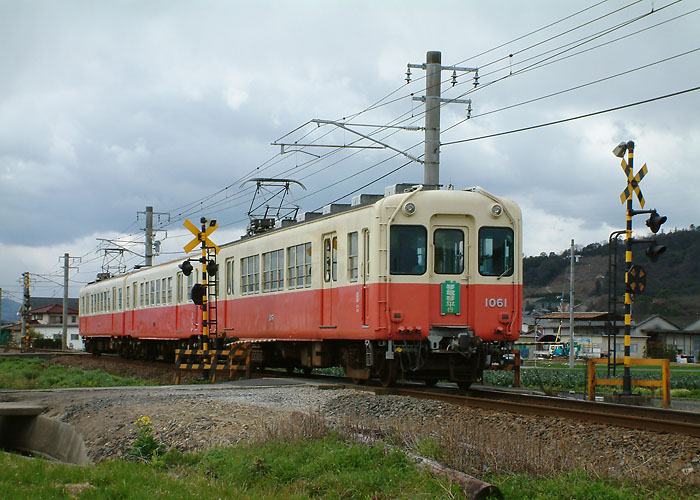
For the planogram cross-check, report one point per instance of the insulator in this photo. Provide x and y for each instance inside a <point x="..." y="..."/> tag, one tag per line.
<point x="408" y="75"/>
<point x="469" y="110"/>
<point x="454" y="77"/>
<point x="476" y="78"/>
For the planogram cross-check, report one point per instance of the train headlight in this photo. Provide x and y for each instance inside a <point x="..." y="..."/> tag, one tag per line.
<point x="496" y="210"/>
<point x="409" y="209"/>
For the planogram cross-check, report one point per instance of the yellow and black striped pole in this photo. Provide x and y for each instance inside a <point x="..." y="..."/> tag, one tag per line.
<point x="626" y="378"/>
<point x="205" y="326"/>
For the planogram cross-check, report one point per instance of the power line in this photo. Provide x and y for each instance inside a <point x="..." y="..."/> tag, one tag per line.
<point x="564" y="120"/>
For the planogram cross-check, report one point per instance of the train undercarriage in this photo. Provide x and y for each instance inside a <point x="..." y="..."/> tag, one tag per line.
<point x="460" y="359"/>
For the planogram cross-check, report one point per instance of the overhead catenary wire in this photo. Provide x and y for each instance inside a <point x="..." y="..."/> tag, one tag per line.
<point x="572" y="118"/>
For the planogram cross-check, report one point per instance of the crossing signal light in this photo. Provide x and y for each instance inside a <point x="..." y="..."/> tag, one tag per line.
<point x="198" y="292"/>
<point x="655" y="220"/>
<point x="212" y="268"/>
<point x="654" y="251"/>
<point x="186" y="268"/>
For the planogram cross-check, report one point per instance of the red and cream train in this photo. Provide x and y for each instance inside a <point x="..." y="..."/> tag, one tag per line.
<point x="420" y="284"/>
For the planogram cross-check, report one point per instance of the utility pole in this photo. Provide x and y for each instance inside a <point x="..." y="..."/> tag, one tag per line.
<point x="149" y="233"/>
<point x="149" y="237"/>
<point x="25" y="308"/>
<point x="433" y="69"/>
<point x="66" y="271"/>
<point x="571" y="309"/>
<point x="0" y="306"/>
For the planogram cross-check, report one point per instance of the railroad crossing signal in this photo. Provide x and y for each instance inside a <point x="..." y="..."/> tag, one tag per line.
<point x="633" y="183"/>
<point x="201" y="236"/>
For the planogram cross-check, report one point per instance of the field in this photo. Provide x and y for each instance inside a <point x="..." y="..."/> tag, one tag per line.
<point x="556" y="376"/>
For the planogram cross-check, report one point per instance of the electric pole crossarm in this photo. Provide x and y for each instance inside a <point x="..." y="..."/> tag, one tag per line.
<point x="445" y="99"/>
<point x="385" y="145"/>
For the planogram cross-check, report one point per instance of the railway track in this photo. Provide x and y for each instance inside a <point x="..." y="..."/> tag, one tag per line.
<point x="635" y="417"/>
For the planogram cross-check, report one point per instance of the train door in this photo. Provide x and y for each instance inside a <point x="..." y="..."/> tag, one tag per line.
<point x="364" y="271"/>
<point x="330" y="279"/>
<point x="179" y="294"/>
<point x="450" y="261"/>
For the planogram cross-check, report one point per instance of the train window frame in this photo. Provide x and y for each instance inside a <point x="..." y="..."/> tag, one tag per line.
<point x="299" y="266"/>
<point x="157" y="302"/>
<point x="164" y="296"/>
<point x="119" y="294"/>
<point x="402" y="247"/>
<point x="250" y="275"/>
<point x="170" y="289"/>
<point x="273" y="270"/>
<point x="483" y="255"/>
<point x="440" y="253"/>
<point x="353" y="257"/>
<point x="128" y="291"/>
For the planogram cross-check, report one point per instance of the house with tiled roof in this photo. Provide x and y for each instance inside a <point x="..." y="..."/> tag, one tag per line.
<point x="46" y="319"/>
<point x="590" y="334"/>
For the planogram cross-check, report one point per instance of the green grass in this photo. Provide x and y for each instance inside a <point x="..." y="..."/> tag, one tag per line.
<point x="33" y="373"/>
<point x="320" y="468"/>
<point x="577" y="485"/>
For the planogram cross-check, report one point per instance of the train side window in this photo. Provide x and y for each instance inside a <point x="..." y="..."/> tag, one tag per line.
<point x="448" y="251"/>
<point x="170" y="289"/>
<point x="113" y="303"/>
<point x="229" y="276"/>
<point x="164" y="297"/>
<point x="334" y="257"/>
<point x="153" y="292"/>
<point x="250" y="277"/>
<point x="135" y="295"/>
<point x="292" y="267"/>
<point x="141" y="295"/>
<point x="408" y="249"/>
<point x="157" y="302"/>
<point x="353" y="261"/>
<point x="128" y="290"/>
<point x="327" y="260"/>
<point x="178" y="286"/>
<point x="496" y="251"/>
<point x="119" y="306"/>
<point x="273" y="269"/>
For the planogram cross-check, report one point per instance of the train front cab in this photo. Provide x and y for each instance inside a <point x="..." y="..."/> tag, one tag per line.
<point x="454" y="290"/>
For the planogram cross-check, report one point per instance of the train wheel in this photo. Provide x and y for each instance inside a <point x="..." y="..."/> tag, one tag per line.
<point x="387" y="373"/>
<point x="306" y="370"/>
<point x="430" y="382"/>
<point x="464" y="384"/>
<point x="359" y="381"/>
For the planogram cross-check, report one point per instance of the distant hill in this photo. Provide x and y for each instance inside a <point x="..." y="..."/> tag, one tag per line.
<point x="9" y="311"/>
<point x="673" y="282"/>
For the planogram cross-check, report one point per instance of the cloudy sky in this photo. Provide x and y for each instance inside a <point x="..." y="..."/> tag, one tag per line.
<point x="107" y="107"/>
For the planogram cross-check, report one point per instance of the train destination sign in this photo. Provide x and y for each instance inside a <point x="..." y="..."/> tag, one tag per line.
<point x="450" y="297"/>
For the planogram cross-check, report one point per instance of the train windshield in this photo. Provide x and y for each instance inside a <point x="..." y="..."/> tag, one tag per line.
<point x="496" y="251"/>
<point x="449" y="251"/>
<point x="408" y="249"/>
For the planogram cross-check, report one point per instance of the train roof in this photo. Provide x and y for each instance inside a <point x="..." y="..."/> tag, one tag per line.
<point x="361" y="201"/>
